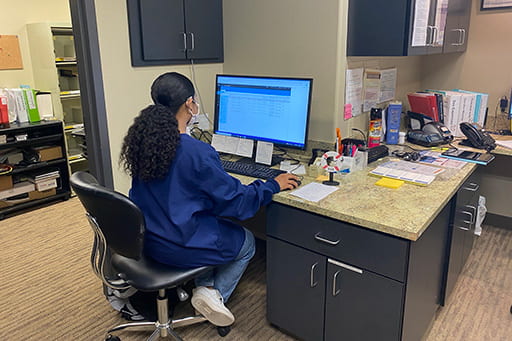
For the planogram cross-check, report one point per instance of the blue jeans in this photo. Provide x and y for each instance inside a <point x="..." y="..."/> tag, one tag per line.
<point x="225" y="277"/>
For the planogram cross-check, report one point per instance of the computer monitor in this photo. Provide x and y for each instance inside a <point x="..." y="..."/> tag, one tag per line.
<point x="271" y="109"/>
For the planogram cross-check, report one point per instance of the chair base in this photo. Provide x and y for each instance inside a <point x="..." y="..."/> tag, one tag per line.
<point x="160" y="329"/>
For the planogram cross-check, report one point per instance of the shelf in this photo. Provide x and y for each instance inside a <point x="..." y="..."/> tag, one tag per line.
<point x="32" y="141"/>
<point x="65" y="63"/>
<point x="70" y="94"/>
<point x="76" y="158"/>
<point x="38" y="165"/>
<point x="61" y="195"/>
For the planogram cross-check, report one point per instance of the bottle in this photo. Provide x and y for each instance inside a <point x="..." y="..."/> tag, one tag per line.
<point x="375" y="130"/>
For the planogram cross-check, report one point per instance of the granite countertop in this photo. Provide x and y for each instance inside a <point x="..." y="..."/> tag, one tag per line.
<point x="405" y="212"/>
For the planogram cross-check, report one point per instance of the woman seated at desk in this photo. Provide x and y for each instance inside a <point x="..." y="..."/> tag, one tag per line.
<point x="183" y="191"/>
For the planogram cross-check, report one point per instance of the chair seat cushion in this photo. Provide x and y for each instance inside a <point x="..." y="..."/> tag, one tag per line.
<point x="147" y="275"/>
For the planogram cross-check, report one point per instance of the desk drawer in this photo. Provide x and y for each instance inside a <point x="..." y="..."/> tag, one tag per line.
<point x="360" y="247"/>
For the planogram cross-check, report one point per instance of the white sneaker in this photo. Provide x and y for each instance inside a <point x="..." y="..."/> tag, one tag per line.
<point x="211" y="305"/>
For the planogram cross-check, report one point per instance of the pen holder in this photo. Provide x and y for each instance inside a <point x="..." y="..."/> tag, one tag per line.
<point x="347" y="164"/>
<point x="361" y="159"/>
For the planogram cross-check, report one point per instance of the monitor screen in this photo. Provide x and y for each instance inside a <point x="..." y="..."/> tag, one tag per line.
<point x="270" y="109"/>
<point x="510" y="107"/>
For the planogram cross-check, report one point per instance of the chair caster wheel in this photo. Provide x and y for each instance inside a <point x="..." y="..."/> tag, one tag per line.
<point x="223" y="331"/>
<point x="112" y="338"/>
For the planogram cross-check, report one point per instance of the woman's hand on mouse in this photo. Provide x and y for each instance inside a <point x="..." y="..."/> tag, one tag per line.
<point x="287" y="181"/>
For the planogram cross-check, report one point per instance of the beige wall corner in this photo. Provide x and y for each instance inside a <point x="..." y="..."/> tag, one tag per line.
<point x="295" y="38"/>
<point x="126" y="87"/>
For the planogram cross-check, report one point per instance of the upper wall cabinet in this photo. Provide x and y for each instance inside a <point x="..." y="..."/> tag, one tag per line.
<point x="457" y="26"/>
<point x="406" y="27"/>
<point x="164" y="32"/>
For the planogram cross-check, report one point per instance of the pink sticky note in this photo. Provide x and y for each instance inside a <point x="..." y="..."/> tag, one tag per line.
<point x="348" y="111"/>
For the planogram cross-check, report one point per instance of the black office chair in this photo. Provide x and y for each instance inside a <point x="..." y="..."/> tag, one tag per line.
<point x="118" y="226"/>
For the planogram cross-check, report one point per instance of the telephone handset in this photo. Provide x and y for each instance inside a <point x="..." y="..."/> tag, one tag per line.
<point x="476" y="137"/>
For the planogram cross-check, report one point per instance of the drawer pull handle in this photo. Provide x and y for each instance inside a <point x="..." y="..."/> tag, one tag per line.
<point x="327" y="241"/>
<point x="470" y="215"/>
<point x="462" y="228"/>
<point x="472" y="187"/>
<point x="334" y="291"/>
<point x="312" y="275"/>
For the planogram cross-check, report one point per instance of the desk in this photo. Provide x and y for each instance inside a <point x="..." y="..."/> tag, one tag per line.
<point x="366" y="263"/>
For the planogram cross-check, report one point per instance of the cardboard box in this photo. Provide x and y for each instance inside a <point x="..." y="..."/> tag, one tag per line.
<point x="5" y="182"/>
<point x="49" y="153"/>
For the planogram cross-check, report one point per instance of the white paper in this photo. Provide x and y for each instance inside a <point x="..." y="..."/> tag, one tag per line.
<point x="224" y="144"/>
<point x="245" y="147"/>
<point x="371" y="89"/>
<point x="506" y="144"/>
<point x="419" y="31"/>
<point x="264" y="152"/>
<point x="294" y="169"/>
<point x="387" y="85"/>
<point x="314" y="191"/>
<point x="354" y="90"/>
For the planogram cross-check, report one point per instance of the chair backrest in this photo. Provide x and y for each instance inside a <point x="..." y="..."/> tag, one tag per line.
<point x="119" y="219"/>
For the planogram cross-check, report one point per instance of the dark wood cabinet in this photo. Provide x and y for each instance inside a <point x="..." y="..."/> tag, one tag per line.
<point x="330" y="280"/>
<point x="462" y="231"/>
<point x="164" y="32"/>
<point x="297" y="281"/>
<point x="407" y="27"/>
<point x="44" y="151"/>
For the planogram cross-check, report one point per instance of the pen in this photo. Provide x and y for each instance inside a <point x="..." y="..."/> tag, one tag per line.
<point x="338" y="141"/>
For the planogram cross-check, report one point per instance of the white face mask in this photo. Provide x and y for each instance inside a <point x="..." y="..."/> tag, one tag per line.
<point x="194" y="119"/>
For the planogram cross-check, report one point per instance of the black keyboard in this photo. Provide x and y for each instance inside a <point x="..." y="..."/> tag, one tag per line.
<point x="250" y="169"/>
<point x="377" y="152"/>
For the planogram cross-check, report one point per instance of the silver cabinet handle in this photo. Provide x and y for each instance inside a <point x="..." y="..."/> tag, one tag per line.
<point x="471" y="187"/>
<point x="463" y="40"/>
<point x="192" y="38"/>
<point x="463" y="228"/>
<point x="327" y="241"/>
<point x="434" y="35"/>
<point x="184" y="41"/>
<point x="474" y="212"/>
<point x="458" y="43"/>
<point x="430" y="35"/>
<point x="334" y="291"/>
<point x="470" y="215"/>
<point x="312" y="282"/>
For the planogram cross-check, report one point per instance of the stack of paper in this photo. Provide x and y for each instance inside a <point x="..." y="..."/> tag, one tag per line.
<point x="407" y="171"/>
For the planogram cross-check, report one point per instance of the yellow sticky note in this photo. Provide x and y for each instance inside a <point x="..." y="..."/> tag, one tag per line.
<point x="322" y="178"/>
<point x="390" y="183"/>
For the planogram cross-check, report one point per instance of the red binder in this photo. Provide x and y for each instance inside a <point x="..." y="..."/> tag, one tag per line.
<point x="424" y="103"/>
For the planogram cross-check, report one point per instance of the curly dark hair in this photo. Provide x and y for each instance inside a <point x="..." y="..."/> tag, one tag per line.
<point x="151" y="142"/>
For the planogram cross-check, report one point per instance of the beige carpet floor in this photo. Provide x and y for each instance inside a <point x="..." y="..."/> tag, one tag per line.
<point x="48" y="292"/>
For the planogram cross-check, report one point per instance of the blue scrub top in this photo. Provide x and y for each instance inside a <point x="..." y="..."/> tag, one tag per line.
<point x="183" y="211"/>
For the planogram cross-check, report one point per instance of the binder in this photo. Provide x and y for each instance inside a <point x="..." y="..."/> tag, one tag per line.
<point x="424" y="103"/>
<point x="31" y="104"/>
<point x="44" y="104"/>
<point x="481" y="100"/>
<point x="452" y="106"/>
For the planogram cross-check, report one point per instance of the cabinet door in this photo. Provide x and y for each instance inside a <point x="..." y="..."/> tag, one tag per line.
<point x="361" y="305"/>
<point x="162" y="30"/>
<point x="428" y="26"/>
<point x="203" y="21"/>
<point x="295" y="289"/>
<point x="457" y="25"/>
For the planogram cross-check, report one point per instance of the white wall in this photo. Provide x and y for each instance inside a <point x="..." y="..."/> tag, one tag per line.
<point x="14" y="15"/>
<point x="126" y="87"/>
<point x="297" y="38"/>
